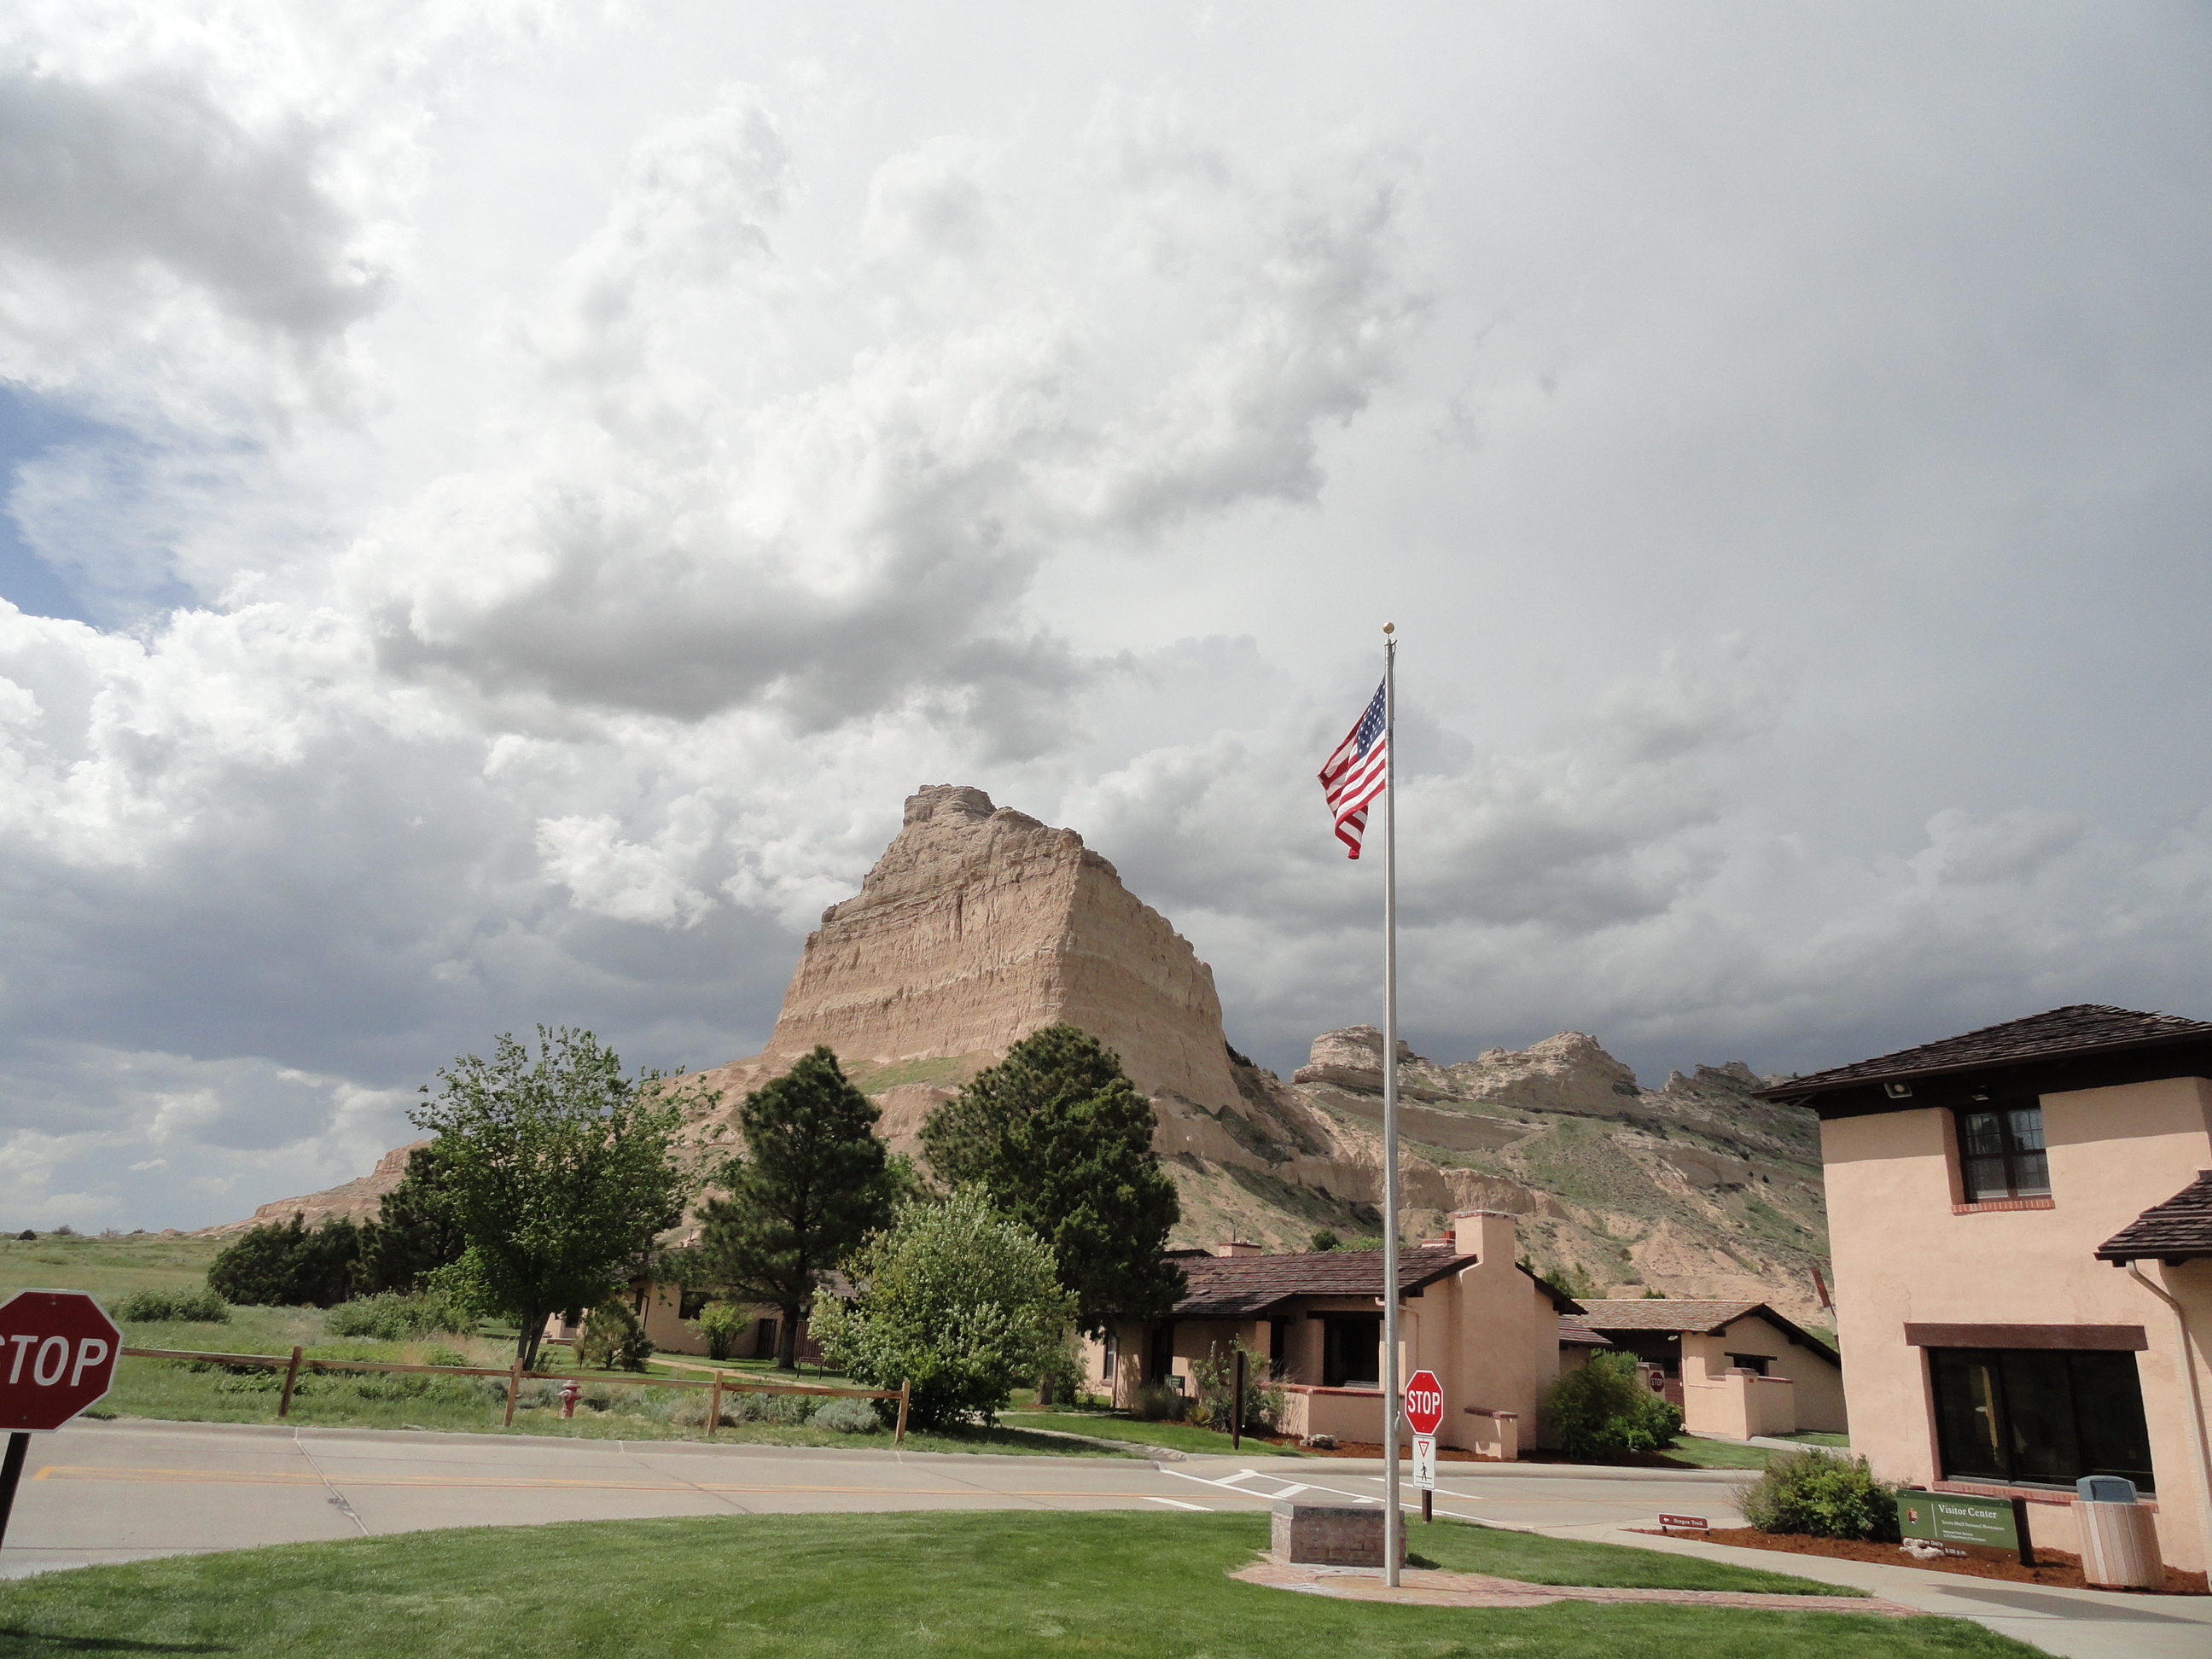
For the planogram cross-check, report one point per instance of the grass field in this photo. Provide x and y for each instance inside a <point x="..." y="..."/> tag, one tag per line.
<point x="810" y="1587"/>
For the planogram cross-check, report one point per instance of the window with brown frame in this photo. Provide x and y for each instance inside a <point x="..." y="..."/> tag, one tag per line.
<point x="2001" y="1152"/>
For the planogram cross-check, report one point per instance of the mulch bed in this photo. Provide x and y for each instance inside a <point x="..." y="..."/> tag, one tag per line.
<point x="2053" y="1567"/>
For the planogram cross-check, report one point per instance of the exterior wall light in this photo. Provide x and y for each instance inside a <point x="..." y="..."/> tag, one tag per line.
<point x="1898" y="1091"/>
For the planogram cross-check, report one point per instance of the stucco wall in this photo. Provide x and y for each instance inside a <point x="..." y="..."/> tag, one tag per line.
<point x="1902" y="1255"/>
<point x="1818" y="1386"/>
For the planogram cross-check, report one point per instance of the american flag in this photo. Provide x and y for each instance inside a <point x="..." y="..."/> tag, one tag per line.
<point x="1359" y="771"/>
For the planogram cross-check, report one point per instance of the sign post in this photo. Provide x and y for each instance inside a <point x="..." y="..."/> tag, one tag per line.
<point x="57" y="1353"/>
<point x="1424" y="1415"/>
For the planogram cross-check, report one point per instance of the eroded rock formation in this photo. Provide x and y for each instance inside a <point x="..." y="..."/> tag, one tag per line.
<point x="358" y="1200"/>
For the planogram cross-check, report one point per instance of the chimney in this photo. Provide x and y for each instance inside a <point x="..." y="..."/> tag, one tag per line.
<point x="1485" y="1235"/>
<point x="1238" y="1247"/>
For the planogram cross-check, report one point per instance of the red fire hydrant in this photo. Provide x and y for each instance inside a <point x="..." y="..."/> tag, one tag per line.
<point x="570" y="1392"/>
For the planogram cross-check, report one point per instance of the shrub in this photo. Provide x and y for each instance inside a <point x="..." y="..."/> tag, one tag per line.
<point x="201" y="1307"/>
<point x="849" y="1417"/>
<point x="435" y="1355"/>
<point x="613" y="1337"/>
<point x="287" y="1265"/>
<point x="1822" y="1495"/>
<point x="1216" y="1377"/>
<point x="786" y="1410"/>
<point x="719" y="1326"/>
<point x="1060" y="1379"/>
<point x="392" y="1318"/>
<point x="954" y="1299"/>
<point x="1604" y="1409"/>
<point x="1156" y="1402"/>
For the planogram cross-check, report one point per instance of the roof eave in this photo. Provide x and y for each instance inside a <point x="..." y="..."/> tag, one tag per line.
<point x="1797" y="1090"/>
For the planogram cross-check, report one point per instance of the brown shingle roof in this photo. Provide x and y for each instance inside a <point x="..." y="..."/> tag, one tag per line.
<point x="1680" y="1314"/>
<point x="1251" y="1287"/>
<point x="2078" y="1028"/>
<point x="2176" y="1231"/>
<point x="1575" y="1332"/>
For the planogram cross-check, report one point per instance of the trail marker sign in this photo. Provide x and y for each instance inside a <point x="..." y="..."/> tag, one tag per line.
<point x="57" y="1353"/>
<point x="1424" y="1415"/>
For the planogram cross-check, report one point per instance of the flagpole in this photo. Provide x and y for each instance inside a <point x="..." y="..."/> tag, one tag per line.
<point x="1394" y="1518"/>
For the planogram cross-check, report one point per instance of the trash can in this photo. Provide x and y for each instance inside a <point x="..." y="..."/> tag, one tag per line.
<point x="2120" y="1540"/>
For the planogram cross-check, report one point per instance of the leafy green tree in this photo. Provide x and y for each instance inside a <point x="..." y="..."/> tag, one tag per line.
<point x="812" y="1181"/>
<point x="558" y="1169"/>
<point x="415" y="1232"/>
<point x="1061" y="1142"/>
<point x="289" y="1264"/>
<point x="954" y="1300"/>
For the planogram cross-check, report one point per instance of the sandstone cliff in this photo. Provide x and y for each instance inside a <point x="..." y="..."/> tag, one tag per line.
<point x="978" y="925"/>
<point x="358" y="1200"/>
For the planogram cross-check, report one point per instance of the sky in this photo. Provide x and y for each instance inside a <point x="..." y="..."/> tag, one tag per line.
<point x="503" y="502"/>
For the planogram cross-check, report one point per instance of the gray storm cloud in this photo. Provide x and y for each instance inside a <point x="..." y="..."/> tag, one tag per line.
<point x="549" y="488"/>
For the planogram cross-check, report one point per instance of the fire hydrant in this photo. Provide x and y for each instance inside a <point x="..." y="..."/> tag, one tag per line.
<point x="570" y="1392"/>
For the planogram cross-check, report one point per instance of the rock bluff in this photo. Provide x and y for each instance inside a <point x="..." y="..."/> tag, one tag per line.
<point x="978" y="925"/>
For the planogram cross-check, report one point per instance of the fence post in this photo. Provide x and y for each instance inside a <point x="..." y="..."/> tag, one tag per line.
<point x="291" y="1377"/>
<point x="714" y="1406"/>
<point x="899" y="1439"/>
<point x="514" y="1388"/>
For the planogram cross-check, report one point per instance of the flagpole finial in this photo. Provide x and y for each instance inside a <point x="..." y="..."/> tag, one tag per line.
<point x="1390" y="628"/>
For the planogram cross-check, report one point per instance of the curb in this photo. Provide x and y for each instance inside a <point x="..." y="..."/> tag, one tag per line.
<point x="305" y="1433"/>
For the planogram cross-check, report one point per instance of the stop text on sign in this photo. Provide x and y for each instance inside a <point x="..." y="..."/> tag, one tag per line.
<point x="58" y="1354"/>
<point x="51" y="1358"/>
<point x="1424" y="1402"/>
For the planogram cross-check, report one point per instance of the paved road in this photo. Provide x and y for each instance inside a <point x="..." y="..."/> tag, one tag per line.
<point x="124" y="1490"/>
<point x="119" y="1491"/>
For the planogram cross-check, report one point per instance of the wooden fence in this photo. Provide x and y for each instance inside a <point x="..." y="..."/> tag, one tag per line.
<point x="516" y="1376"/>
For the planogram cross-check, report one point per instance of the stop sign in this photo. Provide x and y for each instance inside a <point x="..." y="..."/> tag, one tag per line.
<point x="57" y="1356"/>
<point x="1424" y="1402"/>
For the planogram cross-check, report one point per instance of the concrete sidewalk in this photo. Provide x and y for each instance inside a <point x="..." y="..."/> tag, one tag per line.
<point x="2081" y="1624"/>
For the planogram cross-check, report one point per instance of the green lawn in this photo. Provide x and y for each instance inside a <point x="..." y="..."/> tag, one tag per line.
<point x="1717" y="1454"/>
<point x="111" y="1268"/>
<point x="1175" y="1436"/>
<point x="809" y="1587"/>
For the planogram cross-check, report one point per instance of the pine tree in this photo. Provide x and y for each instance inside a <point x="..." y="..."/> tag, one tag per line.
<point x="812" y="1181"/>
<point x="288" y="1265"/>
<point x="415" y="1232"/>
<point x="1061" y="1142"/>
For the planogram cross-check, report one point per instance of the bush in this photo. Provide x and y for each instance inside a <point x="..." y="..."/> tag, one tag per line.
<point x="1156" y="1402"/>
<point x="719" y="1326"/>
<point x="1216" y="1377"/>
<point x="613" y="1337"/>
<point x="954" y="1299"/>
<point x="288" y="1266"/>
<point x="784" y="1410"/>
<point x="1822" y="1495"/>
<point x="1060" y="1379"/>
<point x="850" y="1417"/>
<point x="392" y="1318"/>
<point x="201" y="1307"/>
<point x="1604" y="1409"/>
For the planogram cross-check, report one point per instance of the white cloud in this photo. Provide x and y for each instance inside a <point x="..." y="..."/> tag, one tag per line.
<point x="550" y="482"/>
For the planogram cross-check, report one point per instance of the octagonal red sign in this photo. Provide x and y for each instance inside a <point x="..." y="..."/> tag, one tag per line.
<point x="1424" y="1402"/>
<point x="57" y="1351"/>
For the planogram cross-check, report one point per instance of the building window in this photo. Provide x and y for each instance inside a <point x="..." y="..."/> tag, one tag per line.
<point x="2001" y="1153"/>
<point x="1750" y="1362"/>
<point x="1113" y="1354"/>
<point x="694" y="1303"/>
<point x="1279" y="1348"/>
<point x="2042" y="1417"/>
